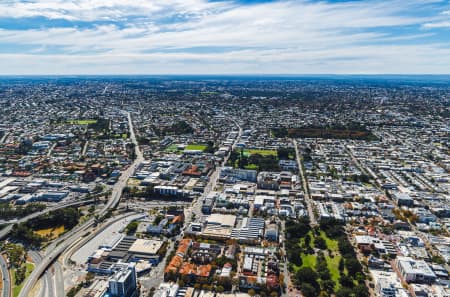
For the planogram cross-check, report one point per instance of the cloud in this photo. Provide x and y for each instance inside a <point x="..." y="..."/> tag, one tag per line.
<point x="94" y="10"/>
<point x="184" y="36"/>
<point x="444" y="24"/>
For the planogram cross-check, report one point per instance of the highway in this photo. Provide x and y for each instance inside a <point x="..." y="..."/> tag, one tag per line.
<point x="5" y="231"/>
<point x="309" y="203"/>
<point x="65" y="241"/>
<point x="6" y="280"/>
<point x="66" y="256"/>
<point x="59" y="279"/>
<point x="46" y="281"/>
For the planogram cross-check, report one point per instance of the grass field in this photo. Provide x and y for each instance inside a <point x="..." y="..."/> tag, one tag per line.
<point x="81" y="122"/>
<point x="260" y="152"/>
<point x="16" y="289"/>
<point x="332" y="262"/>
<point x="331" y="244"/>
<point x="196" y="147"/>
<point x="123" y="136"/>
<point x="51" y="233"/>
<point x="309" y="260"/>
<point x="333" y="267"/>
<point x="171" y="148"/>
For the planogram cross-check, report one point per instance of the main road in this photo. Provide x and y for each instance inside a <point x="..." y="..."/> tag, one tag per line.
<point x="64" y="242"/>
<point x="197" y="204"/>
<point x="47" y="281"/>
<point x="309" y="203"/>
<point x="6" y="280"/>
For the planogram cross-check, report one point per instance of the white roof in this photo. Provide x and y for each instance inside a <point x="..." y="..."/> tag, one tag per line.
<point x="144" y="246"/>
<point x="222" y="219"/>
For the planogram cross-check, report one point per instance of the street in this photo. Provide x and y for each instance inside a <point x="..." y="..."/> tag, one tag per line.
<point x="6" y="281"/>
<point x="309" y="203"/>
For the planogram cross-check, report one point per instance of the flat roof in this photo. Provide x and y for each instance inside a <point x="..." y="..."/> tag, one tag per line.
<point x="146" y="246"/>
<point x="221" y="219"/>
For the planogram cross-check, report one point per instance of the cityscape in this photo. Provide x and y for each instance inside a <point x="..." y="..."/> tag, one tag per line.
<point x="224" y="148"/>
<point x="225" y="186"/>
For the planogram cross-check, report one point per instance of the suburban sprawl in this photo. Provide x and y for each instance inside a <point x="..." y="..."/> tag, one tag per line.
<point x="224" y="187"/>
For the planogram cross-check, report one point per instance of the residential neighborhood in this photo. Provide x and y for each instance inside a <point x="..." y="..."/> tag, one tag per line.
<point x="224" y="187"/>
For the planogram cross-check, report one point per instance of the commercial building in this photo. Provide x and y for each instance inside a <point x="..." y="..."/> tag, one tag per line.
<point x="219" y="226"/>
<point x="145" y="247"/>
<point x="123" y="283"/>
<point x="415" y="271"/>
<point x="239" y="174"/>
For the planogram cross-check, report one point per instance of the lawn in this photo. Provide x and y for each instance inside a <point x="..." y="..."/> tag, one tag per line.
<point x="196" y="147"/>
<point x="51" y="233"/>
<point x="331" y="244"/>
<point x="260" y="152"/>
<point x="333" y="267"/>
<point x="171" y="148"/>
<point x="16" y="289"/>
<point x="309" y="261"/>
<point x="252" y="167"/>
<point x="82" y="122"/>
<point x="123" y="136"/>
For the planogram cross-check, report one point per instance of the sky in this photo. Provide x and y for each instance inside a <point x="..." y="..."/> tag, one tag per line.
<point x="224" y="37"/>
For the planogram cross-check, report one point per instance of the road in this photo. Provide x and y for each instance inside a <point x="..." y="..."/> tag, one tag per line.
<point x="308" y="200"/>
<point x="46" y="280"/>
<point x="6" y="280"/>
<point x="65" y="241"/>
<point x="59" y="279"/>
<point x="79" y="244"/>
<point x="4" y="137"/>
<point x="86" y="144"/>
<point x="197" y="204"/>
<point x="5" y="231"/>
<point x="50" y="150"/>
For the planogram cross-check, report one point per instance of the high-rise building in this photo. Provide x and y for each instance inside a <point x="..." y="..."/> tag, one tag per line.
<point x="123" y="283"/>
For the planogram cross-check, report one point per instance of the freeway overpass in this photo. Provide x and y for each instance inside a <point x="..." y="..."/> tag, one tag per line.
<point x="5" y="231"/>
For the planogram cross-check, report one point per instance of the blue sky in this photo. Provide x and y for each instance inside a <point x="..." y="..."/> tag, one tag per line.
<point x="224" y="37"/>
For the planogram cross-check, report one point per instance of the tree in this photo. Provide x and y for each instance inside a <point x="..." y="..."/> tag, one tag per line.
<point x="132" y="227"/>
<point x="307" y="275"/>
<point x="220" y="289"/>
<point x="307" y="240"/>
<point x="438" y="260"/>
<point x="361" y="291"/>
<point x="320" y="243"/>
<point x="360" y="277"/>
<point x="341" y="265"/>
<point x="353" y="266"/>
<point x="344" y="292"/>
<point x="328" y="285"/>
<point x="285" y="153"/>
<point x="308" y="290"/>
<point x="346" y="281"/>
<point x="294" y="255"/>
<point x="89" y="277"/>
<point x="206" y="287"/>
